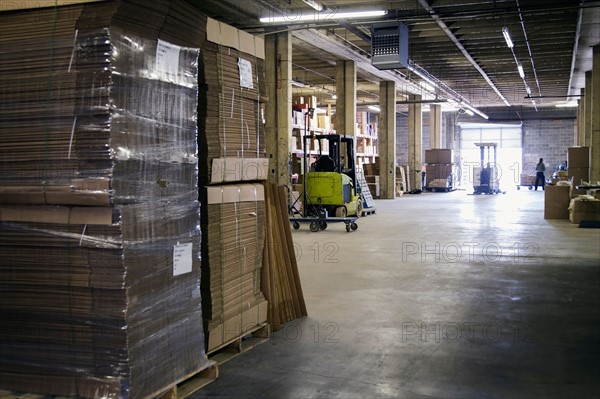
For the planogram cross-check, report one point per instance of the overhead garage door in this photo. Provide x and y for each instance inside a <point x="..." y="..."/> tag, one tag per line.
<point x="509" y="150"/>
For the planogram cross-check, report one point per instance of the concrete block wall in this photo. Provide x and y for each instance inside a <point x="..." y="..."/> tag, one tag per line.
<point x="548" y="139"/>
<point x="448" y="135"/>
<point x="402" y="137"/>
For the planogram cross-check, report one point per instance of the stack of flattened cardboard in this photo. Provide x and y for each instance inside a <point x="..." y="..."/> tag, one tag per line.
<point x="233" y="222"/>
<point x="99" y="218"/>
<point x="232" y="96"/>
<point x="232" y="151"/>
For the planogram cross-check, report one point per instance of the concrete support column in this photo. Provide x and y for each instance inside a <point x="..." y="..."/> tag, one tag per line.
<point x="278" y="70"/>
<point x="345" y="105"/>
<point x="588" y="109"/>
<point x="435" y="126"/>
<point x="580" y="131"/>
<point x="387" y="139"/>
<point x="415" y="141"/>
<point x="595" y="111"/>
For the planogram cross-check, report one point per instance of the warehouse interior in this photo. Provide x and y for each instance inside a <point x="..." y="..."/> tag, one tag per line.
<point x="167" y="228"/>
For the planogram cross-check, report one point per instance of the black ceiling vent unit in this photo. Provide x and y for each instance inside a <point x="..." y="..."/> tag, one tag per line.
<point x="389" y="45"/>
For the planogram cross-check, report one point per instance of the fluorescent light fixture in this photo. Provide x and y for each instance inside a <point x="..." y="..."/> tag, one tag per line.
<point x="521" y="71"/>
<point x="298" y="84"/>
<point x="568" y="104"/>
<point x="509" y="42"/>
<point x="314" y="4"/>
<point x="528" y="90"/>
<point x="469" y="112"/>
<point x="316" y="17"/>
<point x="374" y="108"/>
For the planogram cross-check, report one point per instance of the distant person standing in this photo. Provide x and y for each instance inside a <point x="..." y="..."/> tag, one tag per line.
<point x="540" y="168"/>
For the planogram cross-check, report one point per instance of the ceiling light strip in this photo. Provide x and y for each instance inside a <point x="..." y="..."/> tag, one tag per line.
<point x="321" y="16"/>
<point x="537" y="82"/>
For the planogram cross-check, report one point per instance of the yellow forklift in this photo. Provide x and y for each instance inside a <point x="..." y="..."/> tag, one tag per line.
<point x="329" y="191"/>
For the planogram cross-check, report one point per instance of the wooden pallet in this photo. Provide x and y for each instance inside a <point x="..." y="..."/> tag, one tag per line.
<point x="368" y="211"/>
<point x="237" y="346"/>
<point x="193" y="382"/>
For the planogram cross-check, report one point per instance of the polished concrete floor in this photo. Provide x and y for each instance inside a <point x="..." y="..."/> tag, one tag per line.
<point x="438" y="295"/>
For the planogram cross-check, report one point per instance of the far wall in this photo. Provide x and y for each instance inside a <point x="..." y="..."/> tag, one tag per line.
<point x="542" y="138"/>
<point x="548" y="139"/>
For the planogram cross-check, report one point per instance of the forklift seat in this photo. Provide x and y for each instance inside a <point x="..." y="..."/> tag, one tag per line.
<point x="324" y="164"/>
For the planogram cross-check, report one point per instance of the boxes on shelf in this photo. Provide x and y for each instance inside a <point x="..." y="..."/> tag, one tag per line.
<point x="324" y="122"/>
<point x="556" y="202"/>
<point x="580" y="210"/>
<point x="371" y="169"/>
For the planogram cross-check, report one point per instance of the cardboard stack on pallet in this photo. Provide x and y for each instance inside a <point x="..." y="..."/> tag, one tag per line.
<point x="99" y="218"/>
<point x="439" y="171"/>
<point x="232" y="151"/>
<point x="233" y="222"/>
<point x="231" y="112"/>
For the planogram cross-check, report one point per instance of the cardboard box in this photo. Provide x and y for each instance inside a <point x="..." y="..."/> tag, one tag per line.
<point x="578" y="157"/>
<point x="237" y="326"/>
<point x="239" y="169"/>
<point x="234" y="193"/>
<point x="437" y="171"/>
<point x="57" y="214"/>
<point x="577" y="176"/>
<point x="323" y="122"/>
<point x="438" y="155"/>
<point x="226" y="35"/>
<point x="584" y="210"/>
<point x="438" y="183"/>
<point x="372" y="179"/>
<point x="371" y="169"/>
<point x="556" y="202"/>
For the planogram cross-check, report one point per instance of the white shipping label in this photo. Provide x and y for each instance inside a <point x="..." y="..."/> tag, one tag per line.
<point x="245" y="73"/>
<point x="167" y="59"/>
<point x="182" y="259"/>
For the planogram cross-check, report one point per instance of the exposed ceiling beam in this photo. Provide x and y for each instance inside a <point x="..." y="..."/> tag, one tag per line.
<point x="313" y="39"/>
<point x="317" y="40"/>
<point x="459" y="45"/>
<point x="575" y="47"/>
